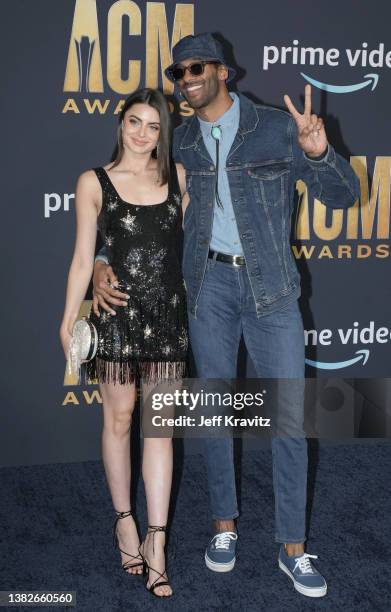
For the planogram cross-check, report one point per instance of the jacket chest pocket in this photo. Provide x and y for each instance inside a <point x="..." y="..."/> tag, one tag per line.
<point x="270" y="183"/>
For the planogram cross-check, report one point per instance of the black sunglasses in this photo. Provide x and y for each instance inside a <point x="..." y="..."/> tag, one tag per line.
<point x="178" y="72"/>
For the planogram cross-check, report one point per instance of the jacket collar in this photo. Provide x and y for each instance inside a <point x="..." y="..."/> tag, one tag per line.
<point x="247" y="123"/>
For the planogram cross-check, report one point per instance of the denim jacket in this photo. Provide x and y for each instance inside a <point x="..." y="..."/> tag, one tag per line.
<point x="263" y="165"/>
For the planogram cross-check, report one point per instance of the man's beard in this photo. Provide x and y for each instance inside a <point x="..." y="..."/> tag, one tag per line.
<point x="200" y="104"/>
<point x="210" y="95"/>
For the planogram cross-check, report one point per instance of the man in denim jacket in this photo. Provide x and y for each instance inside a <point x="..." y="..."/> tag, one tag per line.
<point x="242" y="161"/>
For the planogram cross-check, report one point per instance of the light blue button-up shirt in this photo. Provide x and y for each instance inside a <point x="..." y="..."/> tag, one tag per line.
<point x="225" y="236"/>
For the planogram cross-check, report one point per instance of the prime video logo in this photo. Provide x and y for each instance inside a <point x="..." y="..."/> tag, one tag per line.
<point x="354" y="335"/>
<point x="362" y="57"/>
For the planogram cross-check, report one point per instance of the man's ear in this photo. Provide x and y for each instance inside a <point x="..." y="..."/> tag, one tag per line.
<point x="222" y="72"/>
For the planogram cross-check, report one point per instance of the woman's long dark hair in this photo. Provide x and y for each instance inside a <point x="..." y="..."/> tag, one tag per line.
<point x="154" y="98"/>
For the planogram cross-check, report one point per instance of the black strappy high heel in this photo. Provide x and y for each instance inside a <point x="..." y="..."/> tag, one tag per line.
<point x="147" y="568"/>
<point x="139" y="558"/>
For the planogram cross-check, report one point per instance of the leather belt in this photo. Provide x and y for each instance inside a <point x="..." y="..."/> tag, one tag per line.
<point x="234" y="260"/>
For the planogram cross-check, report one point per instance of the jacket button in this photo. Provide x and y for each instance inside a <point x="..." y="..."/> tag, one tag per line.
<point x="211" y="167"/>
<point x="210" y="204"/>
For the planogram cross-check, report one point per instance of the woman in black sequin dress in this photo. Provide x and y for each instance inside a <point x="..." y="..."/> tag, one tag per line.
<point x="149" y="334"/>
<point x="137" y="204"/>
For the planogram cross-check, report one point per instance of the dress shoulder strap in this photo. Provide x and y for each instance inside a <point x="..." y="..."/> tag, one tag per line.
<point x="104" y="180"/>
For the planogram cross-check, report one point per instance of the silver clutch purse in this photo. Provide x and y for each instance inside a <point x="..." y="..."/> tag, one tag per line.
<point x="83" y="346"/>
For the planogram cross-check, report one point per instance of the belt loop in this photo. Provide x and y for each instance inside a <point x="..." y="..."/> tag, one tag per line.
<point x="214" y="257"/>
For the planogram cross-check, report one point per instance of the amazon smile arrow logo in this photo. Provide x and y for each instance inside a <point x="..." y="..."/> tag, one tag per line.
<point x="373" y="80"/>
<point x="338" y="365"/>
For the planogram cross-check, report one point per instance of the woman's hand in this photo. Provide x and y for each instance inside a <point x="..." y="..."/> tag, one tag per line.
<point x="66" y="337"/>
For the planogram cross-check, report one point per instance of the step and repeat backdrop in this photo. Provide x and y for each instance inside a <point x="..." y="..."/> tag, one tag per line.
<point x="67" y="68"/>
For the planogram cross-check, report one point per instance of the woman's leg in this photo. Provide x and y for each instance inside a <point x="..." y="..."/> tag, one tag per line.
<point x="157" y="475"/>
<point x="118" y="406"/>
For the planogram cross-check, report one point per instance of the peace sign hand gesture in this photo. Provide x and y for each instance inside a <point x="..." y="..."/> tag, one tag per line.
<point x="311" y="133"/>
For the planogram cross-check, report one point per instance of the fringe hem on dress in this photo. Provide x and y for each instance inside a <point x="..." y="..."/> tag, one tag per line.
<point x="126" y="373"/>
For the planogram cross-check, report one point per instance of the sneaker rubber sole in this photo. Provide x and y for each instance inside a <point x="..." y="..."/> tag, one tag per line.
<point x="308" y="591"/>
<point x="219" y="567"/>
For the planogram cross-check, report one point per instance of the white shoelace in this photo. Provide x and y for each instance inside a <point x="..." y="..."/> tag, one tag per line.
<point x="304" y="563"/>
<point x="222" y="540"/>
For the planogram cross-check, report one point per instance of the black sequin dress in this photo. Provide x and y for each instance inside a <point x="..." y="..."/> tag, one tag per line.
<point x="148" y="337"/>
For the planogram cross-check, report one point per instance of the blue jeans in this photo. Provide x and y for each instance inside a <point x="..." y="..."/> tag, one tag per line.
<point x="275" y="343"/>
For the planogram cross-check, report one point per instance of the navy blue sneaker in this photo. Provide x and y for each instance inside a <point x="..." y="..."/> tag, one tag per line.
<point x="306" y="579"/>
<point x="220" y="552"/>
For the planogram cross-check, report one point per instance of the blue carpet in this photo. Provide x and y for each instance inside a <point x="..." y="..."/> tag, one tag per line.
<point x="56" y="535"/>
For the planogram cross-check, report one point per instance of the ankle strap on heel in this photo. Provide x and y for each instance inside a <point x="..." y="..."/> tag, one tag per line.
<point x="154" y="529"/>
<point x="119" y="515"/>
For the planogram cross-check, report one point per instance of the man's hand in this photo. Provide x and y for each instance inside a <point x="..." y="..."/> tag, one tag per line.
<point x="104" y="293"/>
<point x="312" y="135"/>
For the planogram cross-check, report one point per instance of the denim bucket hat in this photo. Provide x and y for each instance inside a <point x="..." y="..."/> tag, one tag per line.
<point x="201" y="46"/>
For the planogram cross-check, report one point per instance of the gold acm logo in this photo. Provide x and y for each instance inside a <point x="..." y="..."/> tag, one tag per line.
<point x="87" y="71"/>
<point x="360" y="232"/>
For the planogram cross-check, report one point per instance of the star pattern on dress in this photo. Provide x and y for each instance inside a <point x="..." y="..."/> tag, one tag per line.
<point x="167" y="349"/>
<point x="148" y="331"/>
<point x="133" y="270"/>
<point x="132" y="313"/>
<point x="112" y="205"/>
<point x="172" y="210"/>
<point x="129" y="222"/>
<point x="177" y="198"/>
<point x="109" y="240"/>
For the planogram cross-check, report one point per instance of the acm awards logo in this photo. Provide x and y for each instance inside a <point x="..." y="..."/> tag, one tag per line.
<point x="88" y="72"/>
<point x="360" y="232"/>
